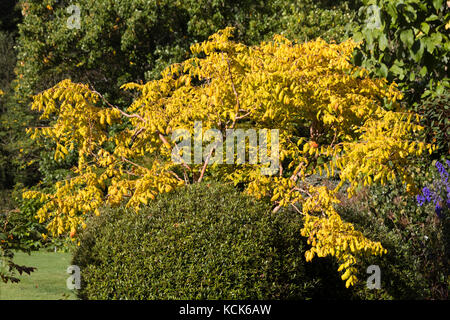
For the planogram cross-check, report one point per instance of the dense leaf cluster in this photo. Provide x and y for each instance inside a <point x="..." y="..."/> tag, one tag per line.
<point x="205" y="241"/>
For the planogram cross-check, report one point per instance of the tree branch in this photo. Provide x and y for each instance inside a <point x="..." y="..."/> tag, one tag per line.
<point x="134" y="115"/>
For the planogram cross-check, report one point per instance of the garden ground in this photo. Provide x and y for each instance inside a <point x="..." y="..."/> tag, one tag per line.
<point x="47" y="282"/>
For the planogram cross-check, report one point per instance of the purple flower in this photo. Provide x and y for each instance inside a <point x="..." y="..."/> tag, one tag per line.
<point x="427" y="193"/>
<point x="434" y="194"/>
<point x="440" y="167"/>
<point x="420" y="200"/>
<point x="442" y="171"/>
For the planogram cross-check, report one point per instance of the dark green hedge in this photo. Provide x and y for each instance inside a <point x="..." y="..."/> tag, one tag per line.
<point x="205" y="241"/>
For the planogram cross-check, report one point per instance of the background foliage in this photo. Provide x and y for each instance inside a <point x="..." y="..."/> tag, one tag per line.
<point x="407" y="41"/>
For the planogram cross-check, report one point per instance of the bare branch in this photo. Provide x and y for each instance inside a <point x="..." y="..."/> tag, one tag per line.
<point x="134" y="115"/>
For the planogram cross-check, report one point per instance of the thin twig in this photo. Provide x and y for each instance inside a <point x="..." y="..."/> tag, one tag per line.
<point x="296" y="209"/>
<point x="175" y="175"/>
<point x="206" y="162"/>
<point x="138" y="132"/>
<point x="238" y="105"/>
<point x="293" y="177"/>
<point x="134" y="115"/>
<point x="135" y="164"/>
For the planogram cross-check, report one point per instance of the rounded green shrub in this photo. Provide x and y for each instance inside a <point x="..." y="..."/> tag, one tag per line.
<point x="204" y="241"/>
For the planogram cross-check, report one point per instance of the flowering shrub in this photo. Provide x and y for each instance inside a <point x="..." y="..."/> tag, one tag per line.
<point x="435" y="194"/>
<point x="416" y="240"/>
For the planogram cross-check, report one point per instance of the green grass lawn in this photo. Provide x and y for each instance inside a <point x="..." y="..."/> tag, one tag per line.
<point x="47" y="282"/>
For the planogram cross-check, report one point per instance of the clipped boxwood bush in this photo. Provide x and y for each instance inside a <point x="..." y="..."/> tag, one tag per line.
<point x="205" y="241"/>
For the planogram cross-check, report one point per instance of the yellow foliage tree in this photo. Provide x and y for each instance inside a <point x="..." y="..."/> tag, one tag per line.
<point x="331" y="116"/>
